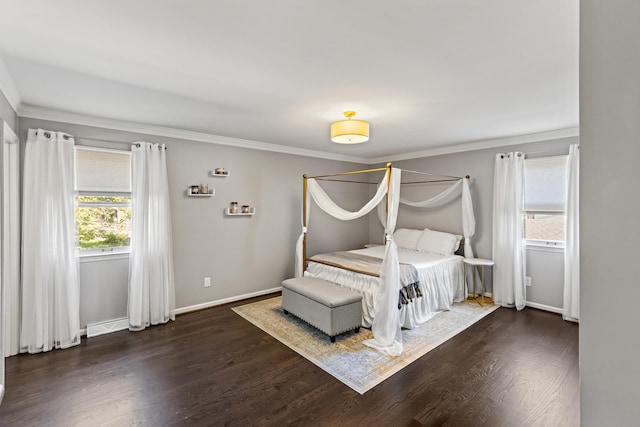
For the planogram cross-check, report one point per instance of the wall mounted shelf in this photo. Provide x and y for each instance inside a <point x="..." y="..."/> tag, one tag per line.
<point x="252" y="211"/>
<point x="219" y="175"/>
<point x="212" y="192"/>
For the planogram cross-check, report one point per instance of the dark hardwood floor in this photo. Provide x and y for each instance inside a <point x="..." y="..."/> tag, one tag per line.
<point x="212" y="367"/>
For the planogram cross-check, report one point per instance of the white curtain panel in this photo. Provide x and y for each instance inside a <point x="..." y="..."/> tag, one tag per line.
<point x="151" y="279"/>
<point x="508" y="248"/>
<point x="571" y="304"/>
<point x="386" y="328"/>
<point x="50" y="296"/>
<point x="11" y="244"/>
<point x="299" y="266"/>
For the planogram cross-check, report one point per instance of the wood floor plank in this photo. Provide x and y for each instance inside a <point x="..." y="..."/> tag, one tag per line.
<point x="212" y="367"/>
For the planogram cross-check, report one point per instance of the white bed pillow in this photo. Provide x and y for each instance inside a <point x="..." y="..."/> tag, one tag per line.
<point x="438" y="242"/>
<point x="407" y="238"/>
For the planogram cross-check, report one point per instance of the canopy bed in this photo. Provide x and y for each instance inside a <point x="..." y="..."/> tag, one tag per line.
<point x="404" y="282"/>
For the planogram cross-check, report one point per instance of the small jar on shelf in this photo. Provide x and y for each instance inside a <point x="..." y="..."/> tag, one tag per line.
<point x="233" y="208"/>
<point x="219" y="172"/>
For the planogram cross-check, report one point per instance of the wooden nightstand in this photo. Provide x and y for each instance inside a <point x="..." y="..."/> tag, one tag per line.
<point x="475" y="263"/>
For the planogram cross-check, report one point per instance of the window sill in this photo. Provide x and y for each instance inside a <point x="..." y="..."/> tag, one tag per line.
<point x="103" y="256"/>
<point x="543" y="246"/>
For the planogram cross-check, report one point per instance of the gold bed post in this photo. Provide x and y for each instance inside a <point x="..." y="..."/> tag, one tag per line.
<point x="304" y="221"/>
<point x="388" y="184"/>
<point x="388" y="191"/>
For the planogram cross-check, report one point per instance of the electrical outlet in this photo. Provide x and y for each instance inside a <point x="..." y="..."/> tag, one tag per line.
<point x="207" y="282"/>
<point x="528" y="280"/>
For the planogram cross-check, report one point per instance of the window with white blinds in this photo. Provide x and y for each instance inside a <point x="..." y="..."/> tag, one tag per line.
<point x="102" y="170"/>
<point x="545" y="200"/>
<point x="545" y="184"/>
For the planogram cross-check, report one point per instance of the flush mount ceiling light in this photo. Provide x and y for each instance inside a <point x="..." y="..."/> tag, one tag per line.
<point x="349" y="131"/>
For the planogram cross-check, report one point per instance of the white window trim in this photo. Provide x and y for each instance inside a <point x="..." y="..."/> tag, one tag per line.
<point x="106" y="150"/>
<point x="544" y="246"/>
<point x="93" y="257"/>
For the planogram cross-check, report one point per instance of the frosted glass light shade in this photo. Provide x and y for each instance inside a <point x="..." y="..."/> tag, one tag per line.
<point x="350" y="131"/>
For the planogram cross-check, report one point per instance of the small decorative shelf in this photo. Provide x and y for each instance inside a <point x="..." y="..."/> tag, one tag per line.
<point x="218" y="174"/>
<point x="212" y="192"/>
<point x="252" y="211"/>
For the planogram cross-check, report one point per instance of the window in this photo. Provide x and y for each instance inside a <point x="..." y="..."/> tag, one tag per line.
<point x="103" y="202"/>
<point x="545" y="200"/>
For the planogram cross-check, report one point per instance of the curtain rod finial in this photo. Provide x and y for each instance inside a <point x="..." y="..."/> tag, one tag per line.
<point x="468" y="177"/>
<point x="389" y="164"/>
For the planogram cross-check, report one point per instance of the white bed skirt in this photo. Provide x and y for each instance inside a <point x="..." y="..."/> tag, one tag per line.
<point x="441" y="283"/>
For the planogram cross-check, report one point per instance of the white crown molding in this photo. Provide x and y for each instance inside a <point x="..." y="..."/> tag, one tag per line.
<point x="33" y="112"/>
<point x="483" y="144"/>
<point x="8" y="87"/>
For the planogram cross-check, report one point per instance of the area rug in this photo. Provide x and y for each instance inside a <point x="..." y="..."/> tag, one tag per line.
<point x="350" y="361"/>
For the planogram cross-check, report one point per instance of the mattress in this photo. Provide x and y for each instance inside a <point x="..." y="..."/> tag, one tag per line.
<point x="440" y="281"/>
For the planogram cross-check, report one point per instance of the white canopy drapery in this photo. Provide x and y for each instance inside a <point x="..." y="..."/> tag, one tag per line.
<point x="386" y="329"/>
<point x="387" y="334"/>
<point x="460" y="188"/>
<point x="386" y="325"/>
<point x="325" y="203"/>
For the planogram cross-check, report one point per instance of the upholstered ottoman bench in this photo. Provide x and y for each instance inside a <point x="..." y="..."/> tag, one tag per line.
<point x="331" y="308"/>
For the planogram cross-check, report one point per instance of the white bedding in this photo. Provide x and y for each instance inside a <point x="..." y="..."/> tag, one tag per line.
<point x="441" y="283"/>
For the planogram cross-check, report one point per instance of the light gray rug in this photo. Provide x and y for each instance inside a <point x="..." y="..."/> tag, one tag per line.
<point x="356" y="365"/>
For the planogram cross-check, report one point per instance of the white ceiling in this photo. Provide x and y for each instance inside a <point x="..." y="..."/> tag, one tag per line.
<point x="424" y="73"/>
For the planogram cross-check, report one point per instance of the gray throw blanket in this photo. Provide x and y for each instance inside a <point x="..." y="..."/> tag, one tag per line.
<point x="409" y="279"/>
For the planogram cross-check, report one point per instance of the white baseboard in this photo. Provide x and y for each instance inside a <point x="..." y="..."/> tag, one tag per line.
<point x="544" y="307"/>
<point x="226" y="300"/>
<point x="108" y="326"/>
<point x="95" y="329"/>
<point x="536" y="305"/>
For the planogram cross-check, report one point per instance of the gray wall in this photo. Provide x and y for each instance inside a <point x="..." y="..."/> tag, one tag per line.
<point x="609" y="206"/>
<point x="242" y="255"/>
<point x="245" y="255"/>
<point x="7" y="113"/>
<point x="546" y="268"/>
